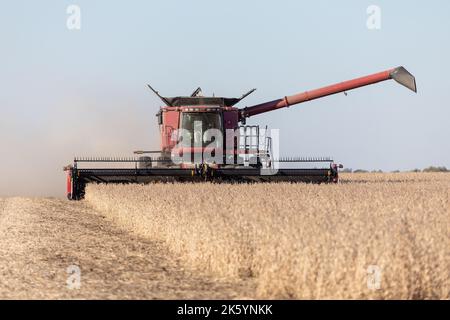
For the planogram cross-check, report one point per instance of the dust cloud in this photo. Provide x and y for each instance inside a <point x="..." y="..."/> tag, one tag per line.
<point x="34" y="149"/>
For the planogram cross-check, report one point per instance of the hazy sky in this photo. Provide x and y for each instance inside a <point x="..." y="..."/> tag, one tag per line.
<point x="82" y="92"/>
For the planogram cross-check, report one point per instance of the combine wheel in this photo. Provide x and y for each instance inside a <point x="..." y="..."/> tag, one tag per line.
<point x="163" y="162"/>
<point x="145" y="162"/>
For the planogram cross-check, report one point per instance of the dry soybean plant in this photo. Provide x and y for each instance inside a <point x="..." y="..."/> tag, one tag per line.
<point x="301" y="241"/>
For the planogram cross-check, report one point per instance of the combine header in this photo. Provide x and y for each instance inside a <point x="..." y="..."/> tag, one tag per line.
<point x="206" y="138"/>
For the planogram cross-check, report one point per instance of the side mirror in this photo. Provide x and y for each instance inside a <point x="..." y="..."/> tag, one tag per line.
<point x="160" y="118"/>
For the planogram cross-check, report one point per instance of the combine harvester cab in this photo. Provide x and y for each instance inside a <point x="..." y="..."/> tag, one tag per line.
<point x="206" y="138"/>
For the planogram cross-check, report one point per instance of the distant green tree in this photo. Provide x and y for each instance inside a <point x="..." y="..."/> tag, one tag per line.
<point x="435" y="169"/>
<point x="360" y="171"/>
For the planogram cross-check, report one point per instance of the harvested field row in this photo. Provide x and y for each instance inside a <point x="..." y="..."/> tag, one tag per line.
<point x="42" y="238"/>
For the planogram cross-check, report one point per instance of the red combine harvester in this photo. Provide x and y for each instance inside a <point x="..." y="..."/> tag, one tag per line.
<point x="205" y="138"/>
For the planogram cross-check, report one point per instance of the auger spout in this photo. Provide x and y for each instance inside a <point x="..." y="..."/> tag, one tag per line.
<point x="400" y="75"/>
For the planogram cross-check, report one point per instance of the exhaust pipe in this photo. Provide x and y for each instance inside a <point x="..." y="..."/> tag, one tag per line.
<point x="402" y="76"/>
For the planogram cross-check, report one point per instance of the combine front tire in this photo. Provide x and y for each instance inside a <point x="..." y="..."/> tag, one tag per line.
<point x="145" y="163"/>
